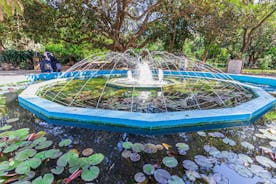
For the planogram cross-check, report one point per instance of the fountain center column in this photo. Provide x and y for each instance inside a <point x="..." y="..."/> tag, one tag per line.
<point x="144" y="74"/>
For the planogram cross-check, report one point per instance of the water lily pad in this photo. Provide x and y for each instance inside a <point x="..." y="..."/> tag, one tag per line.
<point x="201" y="133"/>
<point x="127" y="145"/>
<point x="190" y="165"/>
<point x="148" y="169"/>
<point x="162" y="176"/>
<point x="138" y="147"/>
<point x="39" y="140"/>
<point x="12" y="120"/>
<point x="126" y="153"/>
<point x="90" y="174"/>
<point x="272" y="144"/>
<point x="216" y="134"/>
<point x="22" y="168"/>
<point x="6" y="127"/>
<point x="262" y="136"/>
<point x="211" y="150"/>
<point x="12" y="147"/>
<point x="246" y="159"/>
<point x="192" y="175"/>
<point x="135" y="157"/>
<point x="47" y="179"/>
<point x="175" y="180"/>
<point x="243" y="171"/>
<point x="150" y="148"/>
<point x="58" y="170"/>
<point x="43" y="145"/>
<point x="260" y="171"/>
<point x="182" y="148"/>
<point x="25" y="154"/>
<point x="96" y="158"/>
<point x="247" y="145"/>
<point x="170" y="162"/>
<point x="65" y="142"/>
<point x="87" y="152"/>
<point x="203" y="161"/>
<point x="25" y="167"/>
<point x="229" y="141"/>
<point x="139" y="177"/>
<point x="52" y="153"/>
<point x="266" y="161"/>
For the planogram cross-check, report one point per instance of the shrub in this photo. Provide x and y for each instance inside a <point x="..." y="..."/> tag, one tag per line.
<point x="18" y="57"/>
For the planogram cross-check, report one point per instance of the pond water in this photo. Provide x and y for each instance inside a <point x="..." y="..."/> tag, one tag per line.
<point x="226" y="166"/>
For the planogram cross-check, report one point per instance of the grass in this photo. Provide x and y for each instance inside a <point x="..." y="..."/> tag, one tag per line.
<point x="259" y="71"/>
<point x="271" y="115"/>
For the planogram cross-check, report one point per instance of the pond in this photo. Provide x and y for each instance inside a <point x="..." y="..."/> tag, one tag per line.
<point x="233" y="155"/>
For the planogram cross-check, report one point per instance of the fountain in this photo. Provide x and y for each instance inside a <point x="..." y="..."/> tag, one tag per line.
<point x="150" y="93"/>
<point x="143" y="78"/>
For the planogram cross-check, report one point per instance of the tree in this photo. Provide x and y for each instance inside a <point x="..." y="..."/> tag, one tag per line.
<point x="8" y="8"/>
<point x="113" y="24"/>
<point x="254" y="16"/>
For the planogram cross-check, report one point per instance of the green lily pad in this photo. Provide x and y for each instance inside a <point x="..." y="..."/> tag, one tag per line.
<point x="6" y="127"/>
<point x="52" y="153"/>
<point x="247" y="145"/>
<point x="65" y="142"/>
<point x="43" y="145"/>
<point x="190" y="165"/>
<point x="182" y="148"/>
<point x="12" y="120"/>
<point x="25" y="154"/>
<point x="192" y="175"/>
<point x="39" y="140"/>
<point x="90" y="174"/>
<point x="162" y="176"/>
<point x="3" y="144"/>
<point x="12" y="147"/>
<point x="135" y="157"/>
<point x="148" y="169"/>
<point x="170" y="162"/>
<point x="126" y="153"/>
<point x="229" y="141"/>
<point x="139" y="177"/>
<point x="58" y="170"/>
<point x="150" y="148"/>
<point x="175" y="180"/>
<point x="47" y="179"/>
<point x="138" y="147"/>
<point x="34" y="162"/>
<point x="266" y="161"/>
<point x="25" y="167"/>
<point x="22" y="168"/>
<point x="63" y="160"/>
<point x="95" y="159"/>
<point x="127" y="145"/>
<point x="73" y="169"/>
<point x="243" y="171"/>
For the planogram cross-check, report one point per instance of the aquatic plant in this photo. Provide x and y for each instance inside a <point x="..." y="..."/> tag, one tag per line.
<point x="25" y="153"/>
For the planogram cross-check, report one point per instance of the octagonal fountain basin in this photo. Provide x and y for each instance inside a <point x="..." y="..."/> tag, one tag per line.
<point x="149" y="94"/>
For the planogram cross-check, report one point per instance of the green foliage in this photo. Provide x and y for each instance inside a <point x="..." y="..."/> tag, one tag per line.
<point x="18" y="58"/>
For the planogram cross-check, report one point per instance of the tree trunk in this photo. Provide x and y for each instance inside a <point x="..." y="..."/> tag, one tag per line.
<point x="205" y="55"/>
<point x="2" y="48"/>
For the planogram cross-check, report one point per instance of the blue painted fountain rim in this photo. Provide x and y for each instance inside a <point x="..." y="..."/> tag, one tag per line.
<point x="243" y="112"/>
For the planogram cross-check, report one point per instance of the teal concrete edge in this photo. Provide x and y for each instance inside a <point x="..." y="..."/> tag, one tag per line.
<point x="245" y="112"/>
<point x="242" y="78"/>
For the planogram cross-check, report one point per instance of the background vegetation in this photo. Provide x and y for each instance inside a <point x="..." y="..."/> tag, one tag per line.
<point x="209" y="30"/>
